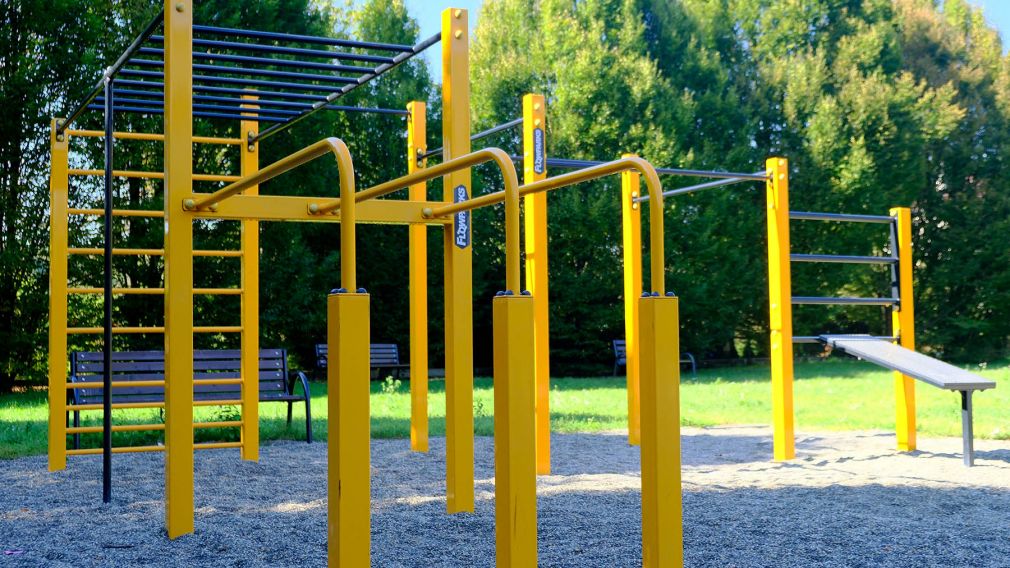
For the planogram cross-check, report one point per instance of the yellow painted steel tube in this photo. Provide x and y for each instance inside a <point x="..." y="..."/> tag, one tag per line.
<point x="118" y="213"/>
<point x="250" y="301"/>
<point x="58" y="242"/>
<point x="118" y="291"/>
<point x="643" y="167"/>
<point x="115" y="428"/>
<point x="418" y="288"/>
<point x="151" y="175"/>
<point x="115" y="384"/>
<point x="903" y="327"/>
<point x="151" y="137"/>
<point x="115" y="405"/>
<point x="780" y="310"/>
<point x="631" y="229"/>
<point x="217" y="329"/>
<point x="510" y="196"/>
<point x="115" y="330"/>
<point x="117" y="252"/>
<point x="535" y="225"/>
<point x="119" y="450"/>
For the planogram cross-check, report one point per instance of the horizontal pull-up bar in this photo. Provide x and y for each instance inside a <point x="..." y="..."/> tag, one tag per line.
<point x="698" y="187"/>
<point x="232" y="108"/>
<point x="151" y="137"/>
<point x="813" y="216"/>
<point x="198" y="114"/>
<point x="264" y="60"/>
<point x="224" y="69"/>
<point x="234" y="81"/>
<point x="283" y="50"/>
<point x="252" y="105"/>
<point x="843" y="259"/>
<point x="111" y="72"/>
<point x="567" y="163"/>
<point x="843" y="301"/>
<point x="477" y="136"/>
<point x="296" y="38"/>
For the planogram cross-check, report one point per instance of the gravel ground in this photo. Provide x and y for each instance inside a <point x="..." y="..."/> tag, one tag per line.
<point x="848" y="500"/>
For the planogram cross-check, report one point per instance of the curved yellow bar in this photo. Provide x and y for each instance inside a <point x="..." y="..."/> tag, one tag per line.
<point x="510" y="196"/>
<point x="656" y="245"/>
<point x="345" y="167"/>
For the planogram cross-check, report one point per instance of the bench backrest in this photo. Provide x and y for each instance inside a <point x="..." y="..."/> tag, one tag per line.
<point x="620" y="349"/>
<point x="133" y="366"/>
<point x="381" y="354"/>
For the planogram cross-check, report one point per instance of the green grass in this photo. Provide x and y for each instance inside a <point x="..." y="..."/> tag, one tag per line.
<point x="831" y="395"/>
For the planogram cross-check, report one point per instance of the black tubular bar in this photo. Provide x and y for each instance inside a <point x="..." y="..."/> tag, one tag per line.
<point x="576" y="164"/>
<point x="479" y="135"/>
<point x="813" y="216"/>
<point x="232" y="81"/>
<point x="283" y="50"/>
<point x="110" y="110"/>
<point x="364" y="79"/>
<point x="843" y="301"/>
<point x="226" y="91"/>
<point x="263" y="60"/>
<point x="294" y="38"/>
<point x="112" y="71"/>
<point x="259" y="102"/>
<point x="843" y="259"/>
<point x="237" y="108"/>
<point x="227" y="70"/>
<point x="694" y="188"/>
<point x="817" y="338"/>
<point x="198" y="114"/>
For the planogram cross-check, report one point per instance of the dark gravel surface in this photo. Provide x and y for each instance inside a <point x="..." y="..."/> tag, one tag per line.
<point x="848" y="500"/>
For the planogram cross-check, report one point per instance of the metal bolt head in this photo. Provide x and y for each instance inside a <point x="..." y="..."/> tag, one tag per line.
<point x="213" y="207"/>
<point x="180" y="7"/>
<point x="458" y="34"/>
<point x="427" y="212"/>
<point x="313" y="208"/>
<point x="188" y="204"/>
<point x="536" y="122"/>
<point x="458" y="14"/>
<point x="536" y="106"/>
<point x="60" y="137"/>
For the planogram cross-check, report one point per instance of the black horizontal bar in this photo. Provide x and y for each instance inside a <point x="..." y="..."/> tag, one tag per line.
<point x="843" y="301"/>
<point x="228" y="70"/>
<point x="294" y="38"/>
<point x="843" y="259"/>
<point x="479" y="135"/>
<point x="813" y="216"/>
<point x="226" y="91"/>
<point x="574" y="164"/>
<point x="817" y="338"/>
<point x="155" y="95"/>
<point x="113" y="70"/>
<point x="199" y="114"/>
<point x="263" y="60"/>
<point x="233" y="81"/>
<point x="283" y="50"/>
<point x="278" y="113"/>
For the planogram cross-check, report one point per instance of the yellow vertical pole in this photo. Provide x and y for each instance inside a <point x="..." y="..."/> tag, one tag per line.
<point x="58" y="228"/>
<point x="662" y="526"/>
<point x="631" y="221"/>
<point x="349" y="459"/>
<point x="903" y="326"/>
<point x="514" y="432"/>
<point x="458" y="266"/>
<point x="535" y="223"/>
<point x="250" y="300"/>
<point x="178" y="268"/>
<point x="780" y="308"/>
<point x="418" y="249"/>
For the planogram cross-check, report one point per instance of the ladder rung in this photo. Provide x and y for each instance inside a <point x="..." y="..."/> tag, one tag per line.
<point x="217" y="329"/>
<point x="118" y="212"/>
<point x="115" y="330"/>
<point x="115" y="406"/>
<point x="115" y="384"/>
<point x="153" y="137"/>
<point x="150" y="175"/>
<point x="218" y="291"/>
<point x="216" y="445"/>
<point x="221" y="253"/>
<point x="147" y="291"/>
<point x="117" y="251"/>
<point x="120" y="450"/>
<point x="222" y="424"/>
<point x="115" y="428"/>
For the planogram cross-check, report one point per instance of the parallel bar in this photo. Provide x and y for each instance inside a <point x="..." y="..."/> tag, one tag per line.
<point x="150" y="136"/>
<point x="296" y="38"/>
<point x="361" y="81"/>
<point x="225" y="69"/>
<point x="479" y="135"/>
<point x="842" y="301"/>
<point x="107" y="304"/>
<point x="284" y="50"/>
<point x="843" y="259"/>
<point x="698" y="187"/>
<point x="111" y="72"/>
<point x="264" y="60"/>
<point x="147" y="175"/>
<point x="814" y="216"/>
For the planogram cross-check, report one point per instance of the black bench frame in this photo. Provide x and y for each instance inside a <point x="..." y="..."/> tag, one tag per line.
<point x="621" y="357"/>
<point x="88" y="366"/>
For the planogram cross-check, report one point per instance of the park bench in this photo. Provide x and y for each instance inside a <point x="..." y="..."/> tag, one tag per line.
<point x="276" y="383"/>
<point x="621" y="357"/>
<point x="383" y="357"/>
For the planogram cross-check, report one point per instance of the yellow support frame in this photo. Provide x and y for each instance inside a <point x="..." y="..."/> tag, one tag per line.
<point x="418" y="287"/>
<point x="631" y="230"/>
<point x="780" y="309"/>
<point x="250" y="246"/>
<point x="59" y="188"/>
<point x="903" y="327"/>
<point x="535" y="223"/>
<point x="178" y="268"/>
<point x="459" y="481"/>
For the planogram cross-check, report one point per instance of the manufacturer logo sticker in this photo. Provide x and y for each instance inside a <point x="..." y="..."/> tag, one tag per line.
<point x="461" y="223"/>
<point x="539" y="158"/>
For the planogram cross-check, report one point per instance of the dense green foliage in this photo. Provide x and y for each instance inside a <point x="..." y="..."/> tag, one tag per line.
<point x="876" y="103"/>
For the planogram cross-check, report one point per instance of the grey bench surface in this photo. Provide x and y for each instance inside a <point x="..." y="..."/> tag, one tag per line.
<point x="922" y="367"/>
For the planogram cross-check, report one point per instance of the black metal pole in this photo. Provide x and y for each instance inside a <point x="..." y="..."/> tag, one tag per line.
<point x="107" y="321"/>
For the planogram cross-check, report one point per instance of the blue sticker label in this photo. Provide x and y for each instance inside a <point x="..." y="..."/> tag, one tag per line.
<point x="538" y="150"/>
<point x="462" y="220"/>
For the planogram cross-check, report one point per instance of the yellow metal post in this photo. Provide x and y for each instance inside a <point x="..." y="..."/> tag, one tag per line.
<point x="903" y="327"/>
<point x="418" y="249"/>
<point x="178" y="268"/>
<point x="514" y="435"/>
<point x="458" y="266"/>
<point x="780" y="309"/>
<point x="662" y="526"/>
<point x="348" y="482"/>
<point x="250" y="301"/>
<point x="535" y="223"/>
<point x="58" y="237"/>
<point x="631" y="221"/>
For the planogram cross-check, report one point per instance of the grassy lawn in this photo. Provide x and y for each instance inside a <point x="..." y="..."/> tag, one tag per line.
<point x="831" y="395"/>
